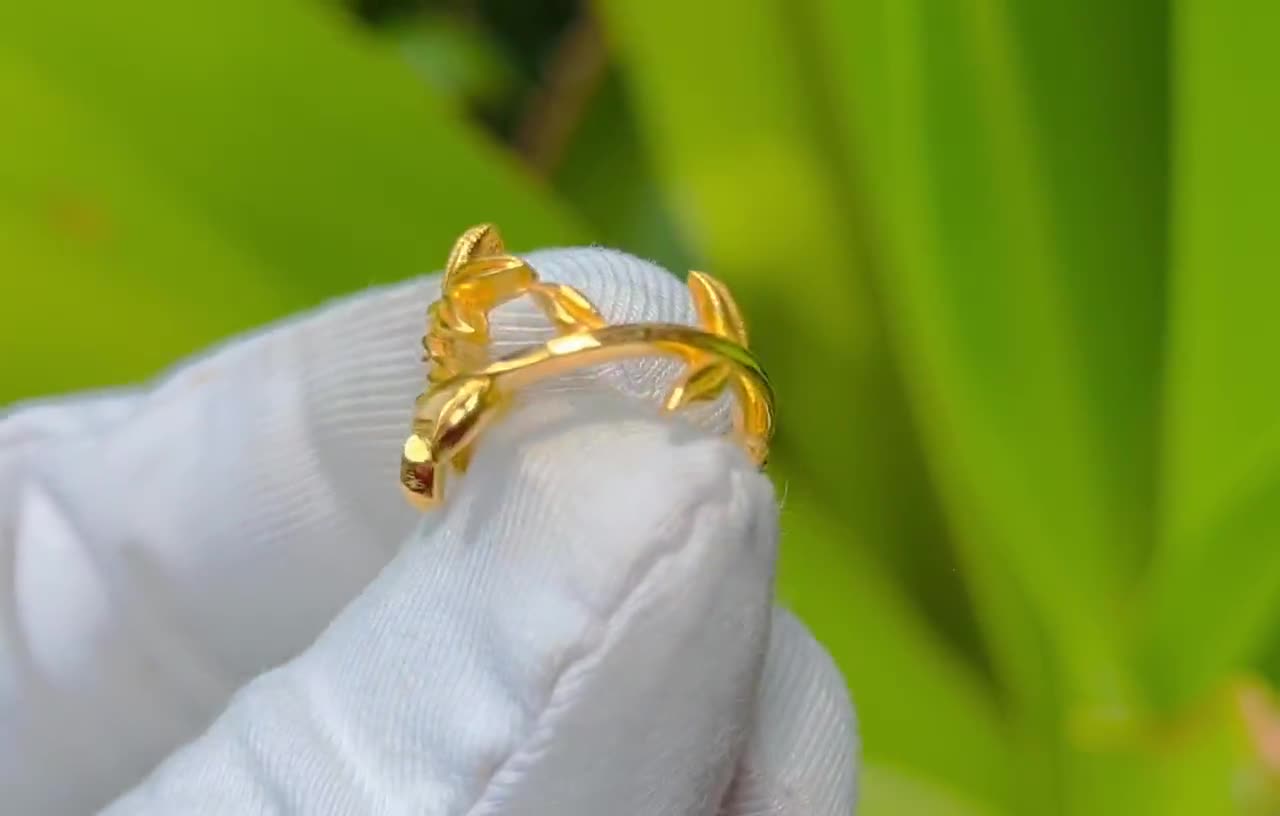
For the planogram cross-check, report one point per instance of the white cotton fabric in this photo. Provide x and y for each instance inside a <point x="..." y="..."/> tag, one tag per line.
<point x="582" y="629"/>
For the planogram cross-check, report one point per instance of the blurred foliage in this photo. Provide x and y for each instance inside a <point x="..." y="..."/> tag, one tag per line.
<point x="1012" y="264"/>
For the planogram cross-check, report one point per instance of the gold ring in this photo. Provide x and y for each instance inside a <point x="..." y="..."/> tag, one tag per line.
<point x="467" y="389"/>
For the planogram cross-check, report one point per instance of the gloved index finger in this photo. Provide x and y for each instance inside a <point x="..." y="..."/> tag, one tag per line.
<point x="580" y="630"/>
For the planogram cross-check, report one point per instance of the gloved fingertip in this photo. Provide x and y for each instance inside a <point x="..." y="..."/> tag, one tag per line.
<point x="580" y="628"/>
<point x="802" y="754"/>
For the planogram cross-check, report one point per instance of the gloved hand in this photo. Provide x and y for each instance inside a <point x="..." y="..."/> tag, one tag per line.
<point x="224" y="561"/>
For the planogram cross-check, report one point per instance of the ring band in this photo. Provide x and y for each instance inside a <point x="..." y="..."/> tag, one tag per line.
<point x="468" y="390"/>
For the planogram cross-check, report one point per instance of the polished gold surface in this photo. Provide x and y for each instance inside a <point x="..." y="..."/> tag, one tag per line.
<point x="468" y="390"/>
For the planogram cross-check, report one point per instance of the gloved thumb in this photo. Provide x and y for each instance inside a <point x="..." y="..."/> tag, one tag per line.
<point x="578" y="630"/>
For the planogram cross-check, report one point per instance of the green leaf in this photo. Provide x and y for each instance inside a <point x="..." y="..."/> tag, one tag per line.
<point x="189" y="170"/>
<point x="608" y="176"/>
<point x="1216" y="757"/>
<point x="1016" y="194"/>
<point x="1215" y="585"/>
<point x="888" y="791"/>
<point x="455" y="58"/>
<point x="919" y="705"/>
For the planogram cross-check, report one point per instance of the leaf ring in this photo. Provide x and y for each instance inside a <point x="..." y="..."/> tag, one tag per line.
<point x="467" y="390"/>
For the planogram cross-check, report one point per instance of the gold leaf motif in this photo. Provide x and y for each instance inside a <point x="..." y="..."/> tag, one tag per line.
<point x="480" y="241"/>
<point x="717" y="310"/>
<point x="701" y="383"/>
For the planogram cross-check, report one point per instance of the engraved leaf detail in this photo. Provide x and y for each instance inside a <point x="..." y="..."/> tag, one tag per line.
<point x="701" y="383"/>
<point x="717" y="310"/>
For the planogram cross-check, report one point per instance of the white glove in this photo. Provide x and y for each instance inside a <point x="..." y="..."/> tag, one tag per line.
<point x="585" y="627"/>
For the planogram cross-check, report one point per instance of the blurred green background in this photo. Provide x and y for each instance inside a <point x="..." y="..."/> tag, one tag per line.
<point x="1013" y="264"/>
